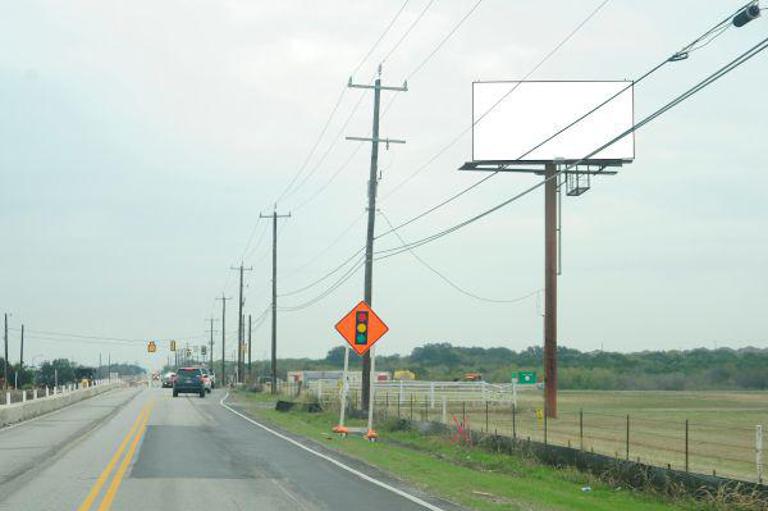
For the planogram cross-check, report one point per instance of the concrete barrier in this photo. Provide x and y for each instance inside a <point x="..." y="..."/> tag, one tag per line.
<point x="22" y="411"/>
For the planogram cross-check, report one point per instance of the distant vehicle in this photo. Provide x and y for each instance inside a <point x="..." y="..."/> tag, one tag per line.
<point x="189" y="380"/>
<point x="212" y="376"/>
<point x="404" y="374"/>
<point x="167" y="380"/>
<point x="206" y="380"/>
<point x="473" y="377"/>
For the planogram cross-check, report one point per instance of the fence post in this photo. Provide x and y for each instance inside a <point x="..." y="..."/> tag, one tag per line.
<point x="464" y="414"/>
<point x="426" y="410"/>
<point x="398" y="406"/>
<point x="627" y="437"/>
<point x="411" y="407"/>
<point x="545" y="428"/>
<point x="386" y="405"/>
<point x="581" y="429"/>
<point x="402" y="391"/>
<point x="487" y="428"/>
<point x="7" y="398"/>
<point x="686" y="445"/>
<point x="47" y="391"/>
<point x="759" y="452"/>
<point x="319" y="391"/>
<point x="23" y="396"/>
<point x="34" y="393"/>
<point x="514" y="421"/>
<point x="514" y="391"/>
<point x="432" y="395"/>
<point x="445" y="411"/>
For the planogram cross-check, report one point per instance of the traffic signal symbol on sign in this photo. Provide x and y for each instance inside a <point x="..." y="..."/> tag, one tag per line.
<point x="151" y="347"/>
<point x="361" y="328"/>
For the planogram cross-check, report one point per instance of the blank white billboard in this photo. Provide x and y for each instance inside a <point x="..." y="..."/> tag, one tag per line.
<point x="508" y="124"/>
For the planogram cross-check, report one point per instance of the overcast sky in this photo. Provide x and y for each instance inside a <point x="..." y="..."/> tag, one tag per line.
<point x="140" y="141"/>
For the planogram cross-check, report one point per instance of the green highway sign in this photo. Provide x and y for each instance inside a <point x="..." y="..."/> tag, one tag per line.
<point x="526" y="377"/>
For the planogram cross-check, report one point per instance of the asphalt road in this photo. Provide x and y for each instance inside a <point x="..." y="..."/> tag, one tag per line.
<point x="142" y="449"/>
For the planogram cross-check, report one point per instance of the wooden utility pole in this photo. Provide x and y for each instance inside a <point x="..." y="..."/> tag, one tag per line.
<point x="240" y="337"/>
<point x="21" y="350"/>
<point x="5" y="360"/>
<point x="223" y="337"/>
<point x="274" y="217"/>
<point x="210" y="347"/>
<point x="250" y="372"/>
<point x="373" y="182"/>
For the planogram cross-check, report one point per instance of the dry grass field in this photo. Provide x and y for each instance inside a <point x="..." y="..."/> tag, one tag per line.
<point x="721" y="425"/>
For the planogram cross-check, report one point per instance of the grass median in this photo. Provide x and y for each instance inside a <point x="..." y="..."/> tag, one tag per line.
<point x="468" y="476"/>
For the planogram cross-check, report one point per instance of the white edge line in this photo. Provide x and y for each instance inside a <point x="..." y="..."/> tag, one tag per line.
<point x="365" y="477"/>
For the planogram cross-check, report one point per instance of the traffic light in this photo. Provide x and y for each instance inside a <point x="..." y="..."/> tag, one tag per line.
<point x="151" y="347"/>
<point x="361" y="327"/>
<point x="173" y="345"/>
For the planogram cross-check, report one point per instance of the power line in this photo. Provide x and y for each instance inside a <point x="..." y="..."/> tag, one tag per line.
<point x="557" y="133"/>
<point x="463" y="132"/>
<point x="393" y="98"/>
<point x="733" y="64"/>
<point x="456" y="139"/>
<point x="100" y="337"/>
<point x="450" y="282"/>
<point x="314" y="146"/>
<point x="336" y="240"/>
<point x="444" y="40"/>
<point x="335" y="141"/>
<point x="327" y="274"/>
<point x="333" y="287"/>
<point x="385" y="32"/>
<point x="408" y="31"/>
<point x="343" y="92"/>
<point x="525" y="192"/>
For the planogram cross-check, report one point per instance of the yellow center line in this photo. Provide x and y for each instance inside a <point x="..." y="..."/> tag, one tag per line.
<point x="109" y="496"/>
<point x="88" y="502"/>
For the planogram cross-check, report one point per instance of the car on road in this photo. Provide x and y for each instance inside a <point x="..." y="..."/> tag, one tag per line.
<point x="212" y="376"/>
<point x="167" y="380"/>
<point x="207" y="380"/>
<point x="189" y="380"/>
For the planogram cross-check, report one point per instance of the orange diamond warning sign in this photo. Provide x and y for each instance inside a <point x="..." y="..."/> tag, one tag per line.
<point x="361" y="328"/>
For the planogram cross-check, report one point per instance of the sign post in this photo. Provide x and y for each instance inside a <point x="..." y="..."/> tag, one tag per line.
<point x="361" y="328"/>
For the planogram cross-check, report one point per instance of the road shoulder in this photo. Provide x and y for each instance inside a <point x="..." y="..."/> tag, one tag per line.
<point x="366" y="470"/>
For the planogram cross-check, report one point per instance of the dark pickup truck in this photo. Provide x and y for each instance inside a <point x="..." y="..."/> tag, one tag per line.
<point x="189" y="380"/>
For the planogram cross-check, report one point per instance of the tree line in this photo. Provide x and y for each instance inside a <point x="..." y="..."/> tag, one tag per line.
<point x="63" y="371"/>
<point x="696" y="369"/>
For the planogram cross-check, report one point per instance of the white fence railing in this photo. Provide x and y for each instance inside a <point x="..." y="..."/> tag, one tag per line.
<point x="432" y="391"/>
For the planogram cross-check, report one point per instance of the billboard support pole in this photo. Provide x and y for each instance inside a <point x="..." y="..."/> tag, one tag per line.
<point x="550" y="290"/>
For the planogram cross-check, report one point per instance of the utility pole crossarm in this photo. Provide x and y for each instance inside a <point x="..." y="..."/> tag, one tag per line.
<point x="387" y="141"/>
<point x="378" y="86"/>
<point x="286" y="215"/>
